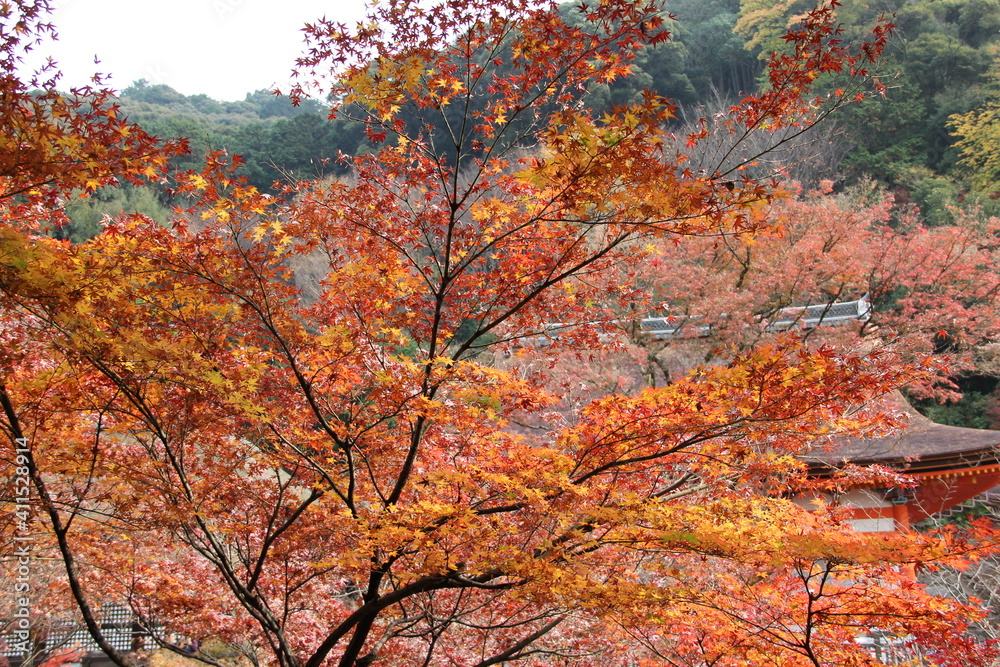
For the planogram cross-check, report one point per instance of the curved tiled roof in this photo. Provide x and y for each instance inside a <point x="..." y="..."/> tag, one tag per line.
<point x="923" y="446"/>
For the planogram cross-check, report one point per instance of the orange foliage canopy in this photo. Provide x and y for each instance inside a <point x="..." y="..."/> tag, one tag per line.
<point x="348" y="474"/>
<point x="932" y="290"/>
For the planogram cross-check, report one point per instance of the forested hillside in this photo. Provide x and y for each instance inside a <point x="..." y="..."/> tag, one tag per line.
<point x="938" y="90"/>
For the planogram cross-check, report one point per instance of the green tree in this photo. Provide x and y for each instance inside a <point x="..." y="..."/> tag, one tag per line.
<point x="86" y="215"/>
<point x="978" y="138"/>
<point x="268" y="104"/>
<point x="763" y="23"/>
<point x="718" y="63"/>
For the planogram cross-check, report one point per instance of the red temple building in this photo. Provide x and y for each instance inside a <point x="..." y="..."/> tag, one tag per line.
<point x="951" y="465"/>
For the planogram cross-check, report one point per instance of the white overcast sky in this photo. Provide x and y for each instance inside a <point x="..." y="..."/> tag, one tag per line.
<point x="222" y="48"/>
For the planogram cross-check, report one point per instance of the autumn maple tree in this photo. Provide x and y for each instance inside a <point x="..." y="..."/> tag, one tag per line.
<point x="353" y="475"/>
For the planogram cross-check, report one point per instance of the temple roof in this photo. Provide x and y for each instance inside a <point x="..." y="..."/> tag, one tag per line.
<point x="923" y="446"/>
